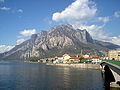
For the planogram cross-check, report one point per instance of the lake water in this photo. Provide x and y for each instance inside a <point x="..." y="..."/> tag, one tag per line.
<point x="35" y="76"/>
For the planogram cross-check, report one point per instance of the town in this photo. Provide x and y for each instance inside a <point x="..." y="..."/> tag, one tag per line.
<point x="112" y="55"/>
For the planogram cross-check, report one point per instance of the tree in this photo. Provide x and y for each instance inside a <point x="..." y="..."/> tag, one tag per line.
<point x="81" y="58"/>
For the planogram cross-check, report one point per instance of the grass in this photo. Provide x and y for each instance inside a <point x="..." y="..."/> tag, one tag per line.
<point x="114" y="62"/>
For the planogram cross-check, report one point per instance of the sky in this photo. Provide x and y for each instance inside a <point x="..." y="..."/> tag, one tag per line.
<point x="19" y="19"/>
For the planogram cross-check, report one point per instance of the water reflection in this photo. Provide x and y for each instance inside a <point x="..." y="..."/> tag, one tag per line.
<point x="33" y="76"/>
<point x="67" y="78"/>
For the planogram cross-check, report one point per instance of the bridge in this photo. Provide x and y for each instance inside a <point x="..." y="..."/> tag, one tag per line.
<point x="116" y="72"/>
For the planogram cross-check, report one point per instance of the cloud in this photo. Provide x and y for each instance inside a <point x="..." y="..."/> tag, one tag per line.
<point x="82" y="14"/>
<point x="116" y="40"/>
<point x="28" y="32"/>
<point x="78" y="11"/>
<point x="5" y="8"/>
<point x="91" y="27"/>
<point x="4" y="48"/>
<point x="117" y="14"/>
<point x="24" y="35"/>
<point x="103" y="19"/>
<point x="94" y="30"/>
<point x="2" y="1"/>
<point x="20" y="11"/>
<point x="19" y="41"/>
<point x="98" y="33"/>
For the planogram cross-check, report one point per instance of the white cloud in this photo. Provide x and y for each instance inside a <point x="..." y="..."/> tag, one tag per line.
<point x="28" y="32"/>
<point x="2" y="0"/>
<point x="116" y="40"/>
<point x="83" y="14"/>
<point x="103" y="19"/>
<point x="90" y="28"/>
<point x="20" y="11"/>
<point x="78" y="11"/>
<point x="98" y="34"/>
<point x="5" y="8"/>
<point x="19" y="41"/>
<point x="4" y="48"/>
<point x="117" y="14"/>
<point x="94" y="30"/>
<point x="24" y="34"/>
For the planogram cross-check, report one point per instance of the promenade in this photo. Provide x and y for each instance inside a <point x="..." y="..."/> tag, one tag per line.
<point x="78" y="65"/>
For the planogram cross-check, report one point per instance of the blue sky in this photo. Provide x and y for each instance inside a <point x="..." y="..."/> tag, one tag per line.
<point x="21" y="18"/>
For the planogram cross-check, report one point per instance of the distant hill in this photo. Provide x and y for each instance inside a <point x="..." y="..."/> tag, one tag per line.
<point x="57" y="41"/>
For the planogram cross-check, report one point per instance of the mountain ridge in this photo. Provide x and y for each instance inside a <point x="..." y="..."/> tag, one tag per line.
<point x="57" y="41"/>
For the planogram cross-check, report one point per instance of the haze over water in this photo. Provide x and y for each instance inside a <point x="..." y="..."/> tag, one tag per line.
<point x="34" y="76"/>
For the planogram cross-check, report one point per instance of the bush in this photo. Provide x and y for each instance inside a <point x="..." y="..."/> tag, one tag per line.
<point x="33" y="59"/>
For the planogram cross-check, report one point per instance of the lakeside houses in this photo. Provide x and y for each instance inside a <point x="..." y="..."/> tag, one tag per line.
<point x="74" y="58"/>
<point x="79" y="58"/>
<point x="70" y="58"/>
<point x="114" y="54"/>
<point x="96" y="59"/>
<point x="58" y="60"/>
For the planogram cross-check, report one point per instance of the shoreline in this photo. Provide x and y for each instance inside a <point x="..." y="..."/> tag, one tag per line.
<point x="78" y="65"/>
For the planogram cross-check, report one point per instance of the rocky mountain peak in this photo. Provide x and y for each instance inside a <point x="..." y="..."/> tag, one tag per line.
<point x="34" y="36"/>
<point x="56" y="41"/>
<point x="62" y="26"/>
<point x="43" y="32"/>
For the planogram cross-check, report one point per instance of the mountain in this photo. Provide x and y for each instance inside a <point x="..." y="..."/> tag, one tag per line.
<point x="106" y="44"/>
<point x="55" y="42"/>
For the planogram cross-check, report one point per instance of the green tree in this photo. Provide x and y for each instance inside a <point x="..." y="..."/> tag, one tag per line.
<point x="81" y="59"/>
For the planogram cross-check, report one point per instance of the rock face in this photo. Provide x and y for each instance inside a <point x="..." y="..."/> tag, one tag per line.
<point x="54" y="42"/>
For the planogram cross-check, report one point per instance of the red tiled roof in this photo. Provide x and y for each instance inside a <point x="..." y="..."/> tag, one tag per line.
<point x="95" y="57"/>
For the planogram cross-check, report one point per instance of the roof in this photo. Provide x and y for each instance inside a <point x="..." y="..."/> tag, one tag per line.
<point x="95" y="57"/>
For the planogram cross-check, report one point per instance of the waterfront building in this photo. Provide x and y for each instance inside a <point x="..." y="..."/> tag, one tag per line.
<point x="77" y="58"/>
<point x="58" y="59"/>
<point x="114" y="54"/>
<point x="95" y="59"/>
<point x="66" y="56"/>
<point x="69" y="58"/>
<point x="86" y="56"/>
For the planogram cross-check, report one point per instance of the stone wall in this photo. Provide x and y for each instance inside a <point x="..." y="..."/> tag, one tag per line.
<point x="92" y="66"/>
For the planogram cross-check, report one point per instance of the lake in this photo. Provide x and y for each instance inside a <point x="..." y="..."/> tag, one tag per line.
<point x="36" y="76"/>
